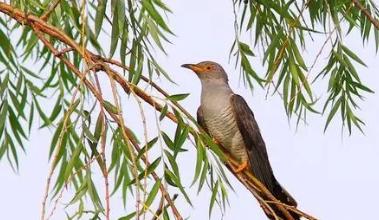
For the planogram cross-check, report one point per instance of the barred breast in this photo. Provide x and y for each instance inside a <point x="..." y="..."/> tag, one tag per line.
<point x="223" y="128"/>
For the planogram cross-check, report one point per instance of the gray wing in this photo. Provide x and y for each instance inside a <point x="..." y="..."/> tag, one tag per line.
<point x="255" y="146"/>
<point x="200" y="119"/>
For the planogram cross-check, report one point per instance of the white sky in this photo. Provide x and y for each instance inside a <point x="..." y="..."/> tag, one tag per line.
<point x="331" y="175"/>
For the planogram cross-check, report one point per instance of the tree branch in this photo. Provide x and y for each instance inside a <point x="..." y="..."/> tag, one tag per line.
<point x="367" y="13"/>
<point x="129" y="135"/>
<point x="50" y="9"/>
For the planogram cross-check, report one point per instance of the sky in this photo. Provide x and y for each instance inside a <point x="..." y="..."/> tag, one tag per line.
<point x="332" y="175"/>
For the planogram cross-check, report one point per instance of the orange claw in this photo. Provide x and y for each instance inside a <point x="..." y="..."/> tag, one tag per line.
<point x="241" y="167"/>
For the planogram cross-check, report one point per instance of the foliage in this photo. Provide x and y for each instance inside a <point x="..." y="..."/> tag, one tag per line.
<point x="283" y="29"/>
<point x="64" y="41"/>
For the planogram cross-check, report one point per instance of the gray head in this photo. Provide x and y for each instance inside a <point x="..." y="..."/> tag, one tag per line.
<point x="209" y="71"/>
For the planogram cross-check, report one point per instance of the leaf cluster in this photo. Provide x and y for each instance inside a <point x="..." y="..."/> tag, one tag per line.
<point x="283" y="30"/>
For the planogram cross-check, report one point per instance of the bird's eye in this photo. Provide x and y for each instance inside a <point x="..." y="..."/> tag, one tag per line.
<point x="208" y="67"/>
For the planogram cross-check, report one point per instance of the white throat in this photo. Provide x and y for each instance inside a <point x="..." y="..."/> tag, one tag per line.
<point x="215" y="93"/>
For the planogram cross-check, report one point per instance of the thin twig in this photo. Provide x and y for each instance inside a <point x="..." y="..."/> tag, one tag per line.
<point x="147" y="80"/>
<point x="103" y="143"/>
<point x="159" y="210"/>
<point x="143" y="117"/>
<point x="129" y="136"/>
<point x="367" y="13"/>
<point x="294" y="209"/>
<point x="50" y="9"/>
<point x="85" y="166"/>
<point x="60" y="53"/>
<point x="65" y="120"/>
<point x="162" y="207"/>
<point x="132" y="153"/>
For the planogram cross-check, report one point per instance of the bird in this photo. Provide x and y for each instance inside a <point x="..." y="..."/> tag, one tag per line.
<point x="227" y="118"/>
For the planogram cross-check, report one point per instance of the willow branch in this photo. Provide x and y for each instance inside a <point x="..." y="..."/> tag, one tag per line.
<point x="103" y="155"/>
<point x="98" y="96"/>
<point x="367" y="13"/>
<point x="149" y="81"/>
<point x="50" y="9"/>
<point x="129" y="135"/>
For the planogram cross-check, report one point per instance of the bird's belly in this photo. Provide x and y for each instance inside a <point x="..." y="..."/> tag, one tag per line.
<point x="224" y="129"/>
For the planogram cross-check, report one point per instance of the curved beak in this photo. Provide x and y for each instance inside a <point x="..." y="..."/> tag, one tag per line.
<point x="193" y="67"/>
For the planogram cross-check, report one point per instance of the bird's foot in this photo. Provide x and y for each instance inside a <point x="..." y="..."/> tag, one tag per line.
<point x="241" y="167"/>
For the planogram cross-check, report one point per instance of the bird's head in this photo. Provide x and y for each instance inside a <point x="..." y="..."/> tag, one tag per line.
<point x="208" y="70"/>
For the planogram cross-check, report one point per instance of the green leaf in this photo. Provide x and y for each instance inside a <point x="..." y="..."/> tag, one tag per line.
<point x="167" y="140"/>
<point x="74" y="159"/>
<point x="333" y="112"/>
<point x="40" y="112"/>
<point x="100" y="13"/>
<point x="120" y="14"/>
<point x="152" y="194"/>
<point x="294" y="72"/>
<point x="173" y="163"/>
<point x="148" y="170"/>
<point x="162" y="5"/>
<point x="4" y="84"/>
<point x="155" y="34"/>
<point x="298" y="56"/>
<point x="110" y="107"/>
<point x="55" y="112"/>
<point x="286" y="91"/>
<point x="79" y="193"/>
<point x="115" y="34"/>
<point x="177" y="97"/>
<point x="89" y="135"/>
<point x="163" y="112"/>
<point x="203" y="175"/>
<point x="3" y="116"/>
<point x="147" y="4"/>
<point x="292" y="97"/>
<point x="146" y="148"/>
<point x="200" y="154"/>
<point x="54" y="140"/>
<point x="128" y="217"/>
<point x="11" y="145"/>
<point x="305" y="83"/>
<point x="214" y="147"/>
<point x="180" y="139"/>
<point x="213" y="197"/>
<point x="3" y="149"/>
<point x="177" y="182"/>
<point x="99" y="127"/>
<point x="124" y="43"/>
<point x="248" y="69"/>
<point x="246" y="49"/>
<point x="272" y="47"/>
<point x="362" y="87"/>
<point x="352" y="55"/>
<point x="15" y="124"/>
<point x="6" y="45"/>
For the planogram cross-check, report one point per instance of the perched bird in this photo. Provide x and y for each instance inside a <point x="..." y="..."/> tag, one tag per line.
<point x="227" y="118"/>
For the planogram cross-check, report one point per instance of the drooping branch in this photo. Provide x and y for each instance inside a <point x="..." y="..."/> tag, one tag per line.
<point x="127" y="133"/>
<point x="50" y="9"/>
<point x="367" y="13"/>
<point x="99" y="64"/>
